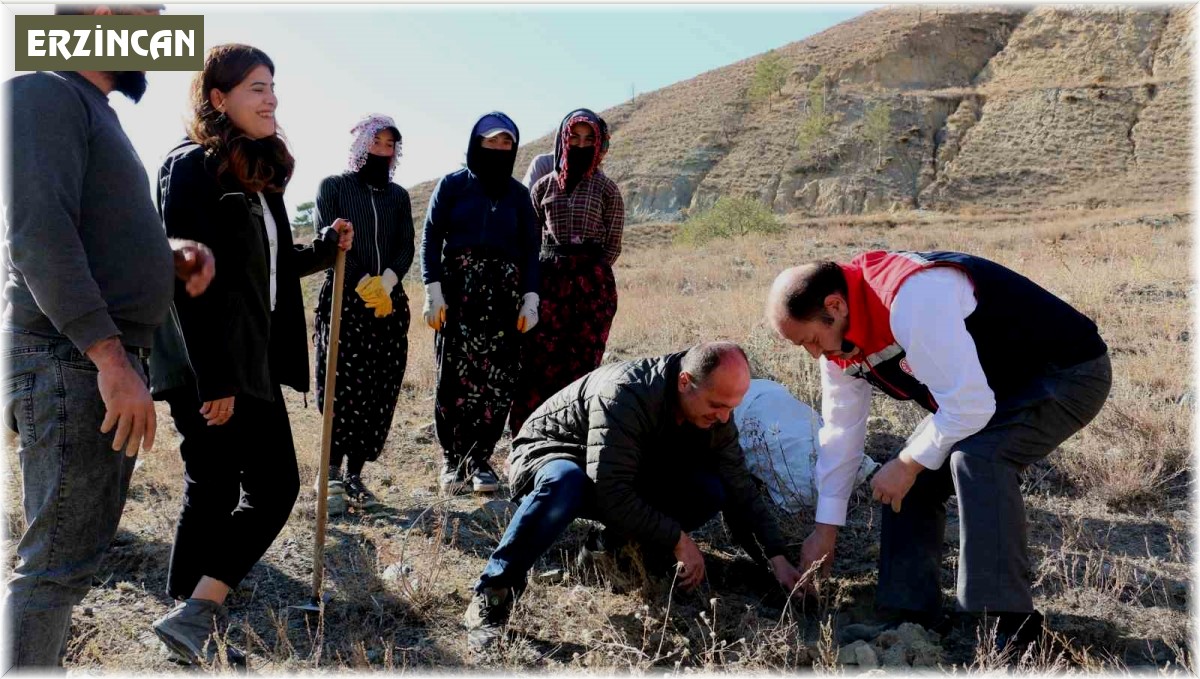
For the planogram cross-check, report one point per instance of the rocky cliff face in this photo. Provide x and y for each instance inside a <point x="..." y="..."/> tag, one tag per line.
<point x="1078" y="109"/>
<point x="989" y="108"/>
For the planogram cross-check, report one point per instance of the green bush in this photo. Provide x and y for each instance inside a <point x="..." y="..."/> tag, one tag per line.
<point x="770" y="75"/>
<point x="877" y="128"/>
<point x="814" y="134"/>
<point x="729" y="217"/>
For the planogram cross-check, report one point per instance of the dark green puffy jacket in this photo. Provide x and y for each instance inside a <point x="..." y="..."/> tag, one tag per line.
<point x="617" y="422"/>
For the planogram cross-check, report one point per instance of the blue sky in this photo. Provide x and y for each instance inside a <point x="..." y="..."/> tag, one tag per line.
<point x="435" y="69"/>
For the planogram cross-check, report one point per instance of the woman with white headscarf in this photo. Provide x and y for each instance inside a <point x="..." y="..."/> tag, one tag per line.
<point x="374" y="330"/>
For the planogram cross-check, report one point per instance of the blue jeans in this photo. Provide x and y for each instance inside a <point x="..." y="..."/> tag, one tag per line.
<point x="74" y="488"/>
<point x="561" y="492"/>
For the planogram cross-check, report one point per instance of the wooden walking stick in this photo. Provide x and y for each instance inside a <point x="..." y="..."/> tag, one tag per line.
<point x="335" y="323"/>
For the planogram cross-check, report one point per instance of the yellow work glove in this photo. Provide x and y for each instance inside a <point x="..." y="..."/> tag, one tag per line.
<point x="369" y="289"/>
<point x="383" y="307"/>
<point x="387" y="282"/>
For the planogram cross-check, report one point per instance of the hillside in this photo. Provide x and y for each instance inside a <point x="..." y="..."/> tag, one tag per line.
<point x="989" y="108"/>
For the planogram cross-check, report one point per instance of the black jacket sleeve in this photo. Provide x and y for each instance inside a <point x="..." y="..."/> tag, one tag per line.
<point x="188" y="202"/>
<point x="308" y="259"/>
<point x="746" y="499"/>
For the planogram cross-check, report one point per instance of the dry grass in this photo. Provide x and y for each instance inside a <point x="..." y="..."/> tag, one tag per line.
<point x="1108" y="517"/>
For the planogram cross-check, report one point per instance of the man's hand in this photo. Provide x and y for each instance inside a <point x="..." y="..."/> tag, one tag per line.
<point x="691" y="563"/>
<point x="127" y="402"/>
<point x="194" y="264"/>
<point x="816" y="555"/>
<point x="785" y="573"/>
<point x="893" y="481"/>
<point x="217" y="412"/>
<point x="345" y="232"/>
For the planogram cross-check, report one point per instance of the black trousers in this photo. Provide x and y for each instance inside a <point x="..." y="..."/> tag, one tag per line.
<point x="240" y="482"/>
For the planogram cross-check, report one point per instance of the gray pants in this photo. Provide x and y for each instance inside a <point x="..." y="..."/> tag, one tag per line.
<point x="984" y="471"/>
<point x="74" y="488"/>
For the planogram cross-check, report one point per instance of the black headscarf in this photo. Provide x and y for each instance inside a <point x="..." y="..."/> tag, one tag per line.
<point x="493" y="167"/>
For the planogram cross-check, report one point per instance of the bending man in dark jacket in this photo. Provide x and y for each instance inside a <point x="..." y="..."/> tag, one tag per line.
<point x="648" y="449"/>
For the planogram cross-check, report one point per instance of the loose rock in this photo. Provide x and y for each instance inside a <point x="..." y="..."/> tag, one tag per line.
<point x="337" y="505"/>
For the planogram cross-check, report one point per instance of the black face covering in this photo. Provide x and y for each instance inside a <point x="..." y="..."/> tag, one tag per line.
<point x="494" y="168"/>
<point x="375" y="170"/>
<point x="579" y="161"/>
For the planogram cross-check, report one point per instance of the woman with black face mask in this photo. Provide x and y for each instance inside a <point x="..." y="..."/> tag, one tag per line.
<point x="582" y="217"/>
<point x="375" y="316"/>
<point x="480" y="267"/>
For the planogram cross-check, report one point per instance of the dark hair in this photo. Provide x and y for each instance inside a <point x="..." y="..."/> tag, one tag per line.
<point x="116" y="9"/>
<point x="264" y="164"/>
<point x="701" y="360"/>
<point x="805" y="299"/>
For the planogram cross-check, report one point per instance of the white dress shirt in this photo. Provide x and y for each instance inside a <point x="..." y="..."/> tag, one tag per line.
<point x="272" y="242"/>
<point x="928" y="321"/>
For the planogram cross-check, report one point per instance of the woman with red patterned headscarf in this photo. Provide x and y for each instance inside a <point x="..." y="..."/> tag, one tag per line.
<point x="582" y="217"/>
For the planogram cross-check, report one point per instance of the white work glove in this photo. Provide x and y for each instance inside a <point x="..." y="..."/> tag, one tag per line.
<point x="435" y="306"/>
<point x="528" y="316"/>
<point x="389" y="281"/>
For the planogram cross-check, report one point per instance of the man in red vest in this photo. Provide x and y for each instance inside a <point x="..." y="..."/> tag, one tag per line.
<point x="1007" y="370"/>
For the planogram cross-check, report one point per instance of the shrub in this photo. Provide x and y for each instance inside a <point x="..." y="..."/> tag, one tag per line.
<point x="729" y="217"/>
<point x="815" y="129"/>
<point x="770" y="75"/>
<point x="877" y="128"/>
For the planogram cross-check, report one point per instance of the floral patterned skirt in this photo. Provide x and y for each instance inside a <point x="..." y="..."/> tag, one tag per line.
<point x="579" y="301"/>
<point x="478" y="353"/>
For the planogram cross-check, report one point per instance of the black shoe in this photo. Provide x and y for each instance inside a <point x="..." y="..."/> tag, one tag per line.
<point x="485" y="618"/>
<point x="357" y="492"/>
<point x="483" y="477"/>
<point x="188" y="633"/>
<point x="453" y="479"/>
<point x="1016" y="632"/>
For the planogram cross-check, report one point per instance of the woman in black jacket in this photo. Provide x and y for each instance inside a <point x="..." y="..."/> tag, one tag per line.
<point x="374" y="336"/>
<point x="233" y="346"/>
